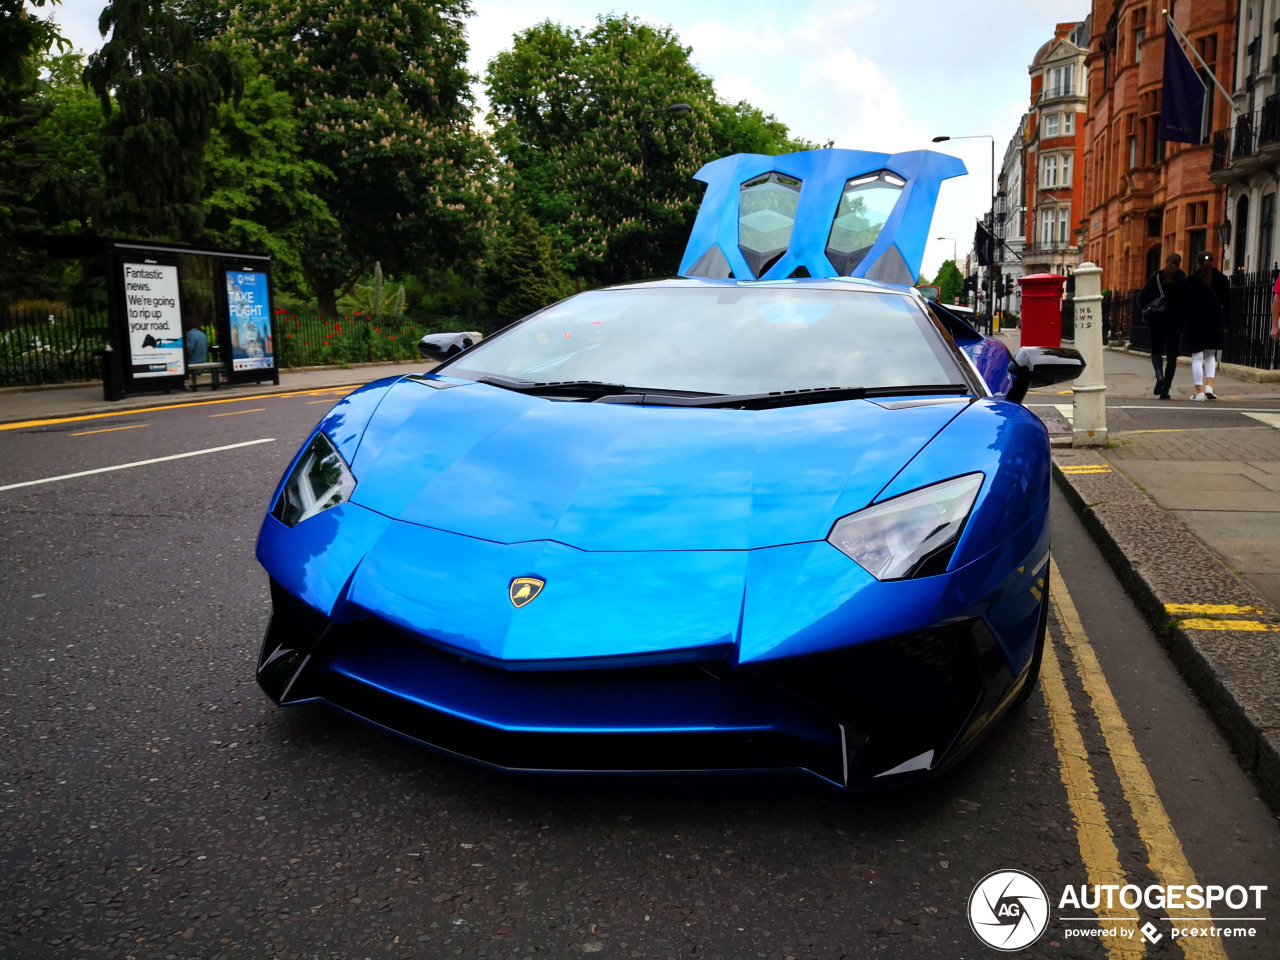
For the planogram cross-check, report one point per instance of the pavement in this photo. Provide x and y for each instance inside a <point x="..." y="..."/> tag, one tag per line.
<point x="1189" y="518"/>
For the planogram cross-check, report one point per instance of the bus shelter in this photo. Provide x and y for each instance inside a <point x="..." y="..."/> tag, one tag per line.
<point x="172" y="306"/>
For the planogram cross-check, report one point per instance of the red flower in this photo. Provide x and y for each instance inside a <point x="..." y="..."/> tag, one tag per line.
<point x="393" y="336"/>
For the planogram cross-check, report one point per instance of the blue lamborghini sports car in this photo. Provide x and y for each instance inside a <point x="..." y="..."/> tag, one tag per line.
<point x="687" y="525"/>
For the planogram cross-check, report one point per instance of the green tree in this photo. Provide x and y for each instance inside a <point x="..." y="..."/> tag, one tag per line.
<point x="742" y="128"/>
<point x="167" y="86"/>
<point x="260" y="193"/>
<point x="70" y="178"/>
<point x="605" y="175"/>
<point x="950" y="282"/>
<point x="384" y="104"/>
<point x="523" y="274"/>
<point x="24" y="38"/>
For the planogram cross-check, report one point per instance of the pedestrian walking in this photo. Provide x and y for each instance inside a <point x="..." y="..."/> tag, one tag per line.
<point x="1163" y="305"/>
<point x="1208" y="310"/>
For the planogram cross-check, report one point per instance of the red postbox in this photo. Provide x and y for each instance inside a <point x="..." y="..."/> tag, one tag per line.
<point x="1042" y="309"/>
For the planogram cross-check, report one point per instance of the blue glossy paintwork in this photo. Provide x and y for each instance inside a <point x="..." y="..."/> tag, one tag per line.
<point x="800" y="598"/>
<point x="823" y="174"/>
<point x="454" y="589"/>
<point x="509" y="468"/>
<point x="991" y="357"/>
<point x="315" y="560"/>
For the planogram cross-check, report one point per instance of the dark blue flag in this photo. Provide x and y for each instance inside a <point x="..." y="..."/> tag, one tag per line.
<point x="1182" y="105"/>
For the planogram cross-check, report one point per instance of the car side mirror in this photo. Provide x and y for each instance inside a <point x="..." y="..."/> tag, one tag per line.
<point x="442" y="346"/>
<point x="1042" y="367"/>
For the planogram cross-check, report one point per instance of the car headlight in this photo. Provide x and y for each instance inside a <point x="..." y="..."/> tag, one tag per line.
<point x="319" y="480"/>
<point x="899" y="538"/>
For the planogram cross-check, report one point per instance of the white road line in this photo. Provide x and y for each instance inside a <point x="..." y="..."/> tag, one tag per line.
<point x="139" y="463"/>
<point x="1066" y="411"/>
<point x="1270" y="419"/>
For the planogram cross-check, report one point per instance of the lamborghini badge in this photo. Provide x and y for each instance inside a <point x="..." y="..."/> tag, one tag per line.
<point x="525" y="589"/>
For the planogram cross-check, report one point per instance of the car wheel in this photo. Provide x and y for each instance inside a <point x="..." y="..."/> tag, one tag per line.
<point x="1037" y="656"/>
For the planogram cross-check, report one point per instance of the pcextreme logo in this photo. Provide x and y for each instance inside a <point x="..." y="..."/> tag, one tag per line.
<point x="1008" y="910"/>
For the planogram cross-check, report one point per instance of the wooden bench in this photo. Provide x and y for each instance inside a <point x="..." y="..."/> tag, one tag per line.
<point x="214" y="370"/>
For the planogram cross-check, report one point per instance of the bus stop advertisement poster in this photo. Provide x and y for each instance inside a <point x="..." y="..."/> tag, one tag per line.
<point x="249" y="310"/>
<point x="155" y="320"/>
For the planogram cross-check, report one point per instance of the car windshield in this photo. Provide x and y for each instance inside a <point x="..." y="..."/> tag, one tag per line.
<point x="723" y="340"/>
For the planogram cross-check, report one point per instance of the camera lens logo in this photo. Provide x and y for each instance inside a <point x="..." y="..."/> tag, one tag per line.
<point x="1008" y="910"/>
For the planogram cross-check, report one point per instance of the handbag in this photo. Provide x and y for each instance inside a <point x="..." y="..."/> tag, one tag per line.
<point x="1156" y="309"/>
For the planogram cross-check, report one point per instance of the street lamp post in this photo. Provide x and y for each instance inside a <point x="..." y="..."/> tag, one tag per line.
<point x="992" y="221"/>
<point x="645" y="123"/>
<point x="954" y="248"/>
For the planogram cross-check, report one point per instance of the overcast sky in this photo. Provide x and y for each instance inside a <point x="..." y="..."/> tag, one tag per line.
<point x="883" y="76"/>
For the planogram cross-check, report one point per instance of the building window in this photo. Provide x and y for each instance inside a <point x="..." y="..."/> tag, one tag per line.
<point x="1196" y="240"/>
<point x="1266" y="230"/>
<point x="1138" y="36"/>
<point x="1242" y="230"/>
<point x="1062" y="81"/>
<point x="1050" y="176"/>
<point x="1051" y="125"/>
<point x="1206" y="115"/>
<point x="1065" y="179"/>
<point x="1068" y="123"/>
<point x="1046" y="227"/>
<point x="1133" y="152"/>
<point x="1064" y="225"/>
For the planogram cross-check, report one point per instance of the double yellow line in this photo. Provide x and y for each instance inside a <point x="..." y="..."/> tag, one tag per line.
<point x="117" y="414"/>
<point x="1098" y="851"/>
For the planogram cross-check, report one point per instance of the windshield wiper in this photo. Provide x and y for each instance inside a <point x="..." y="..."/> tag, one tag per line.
<point x="787" y="398"/>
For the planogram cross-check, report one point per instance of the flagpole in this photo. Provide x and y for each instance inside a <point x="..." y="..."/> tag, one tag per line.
<point x="1212" y="76"/>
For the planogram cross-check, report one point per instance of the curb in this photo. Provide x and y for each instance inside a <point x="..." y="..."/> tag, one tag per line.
<point x="1234" y="672"/>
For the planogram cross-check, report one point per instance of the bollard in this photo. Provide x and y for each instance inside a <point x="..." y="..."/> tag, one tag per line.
<point x="112" y="380"/>
<point x="1089" y="392"/>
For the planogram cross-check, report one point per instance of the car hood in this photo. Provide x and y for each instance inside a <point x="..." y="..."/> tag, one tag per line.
<point x="501" y="466"/>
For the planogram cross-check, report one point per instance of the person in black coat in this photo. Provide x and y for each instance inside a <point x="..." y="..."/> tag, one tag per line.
<point x="1208" y="308"/>
<point x="1165" y="286"/>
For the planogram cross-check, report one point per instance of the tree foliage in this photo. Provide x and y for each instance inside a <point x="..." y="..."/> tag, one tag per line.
<point x="167" y="86"/>
<point x="950" y="282"/>
<point x="742" y="128"/>
<point x="596" y="160"/>
<point x="68" y="184"/>
<point x="383" y="101"/>
<point x="23" y="38"/>
<point x="523" y="273"/>
<point x="594" y="154"/>
<point x="260" y="193"/>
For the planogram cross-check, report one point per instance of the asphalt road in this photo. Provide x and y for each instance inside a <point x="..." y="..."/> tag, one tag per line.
<point x="154" y="804"/>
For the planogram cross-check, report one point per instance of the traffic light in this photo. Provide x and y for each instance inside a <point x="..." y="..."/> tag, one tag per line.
<point x="971" y="283"/>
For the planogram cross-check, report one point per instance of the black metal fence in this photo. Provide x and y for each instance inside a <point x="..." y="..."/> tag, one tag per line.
<point x="51" y="346"/>
<point x="1122" y="320"/>
<point x="1248" y="340"/>
<point x="40" y="346"/>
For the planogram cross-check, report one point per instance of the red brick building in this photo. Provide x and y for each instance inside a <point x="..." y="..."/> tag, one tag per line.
<point x="1053" y="142"/>
<point x="1144" y="198"/>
